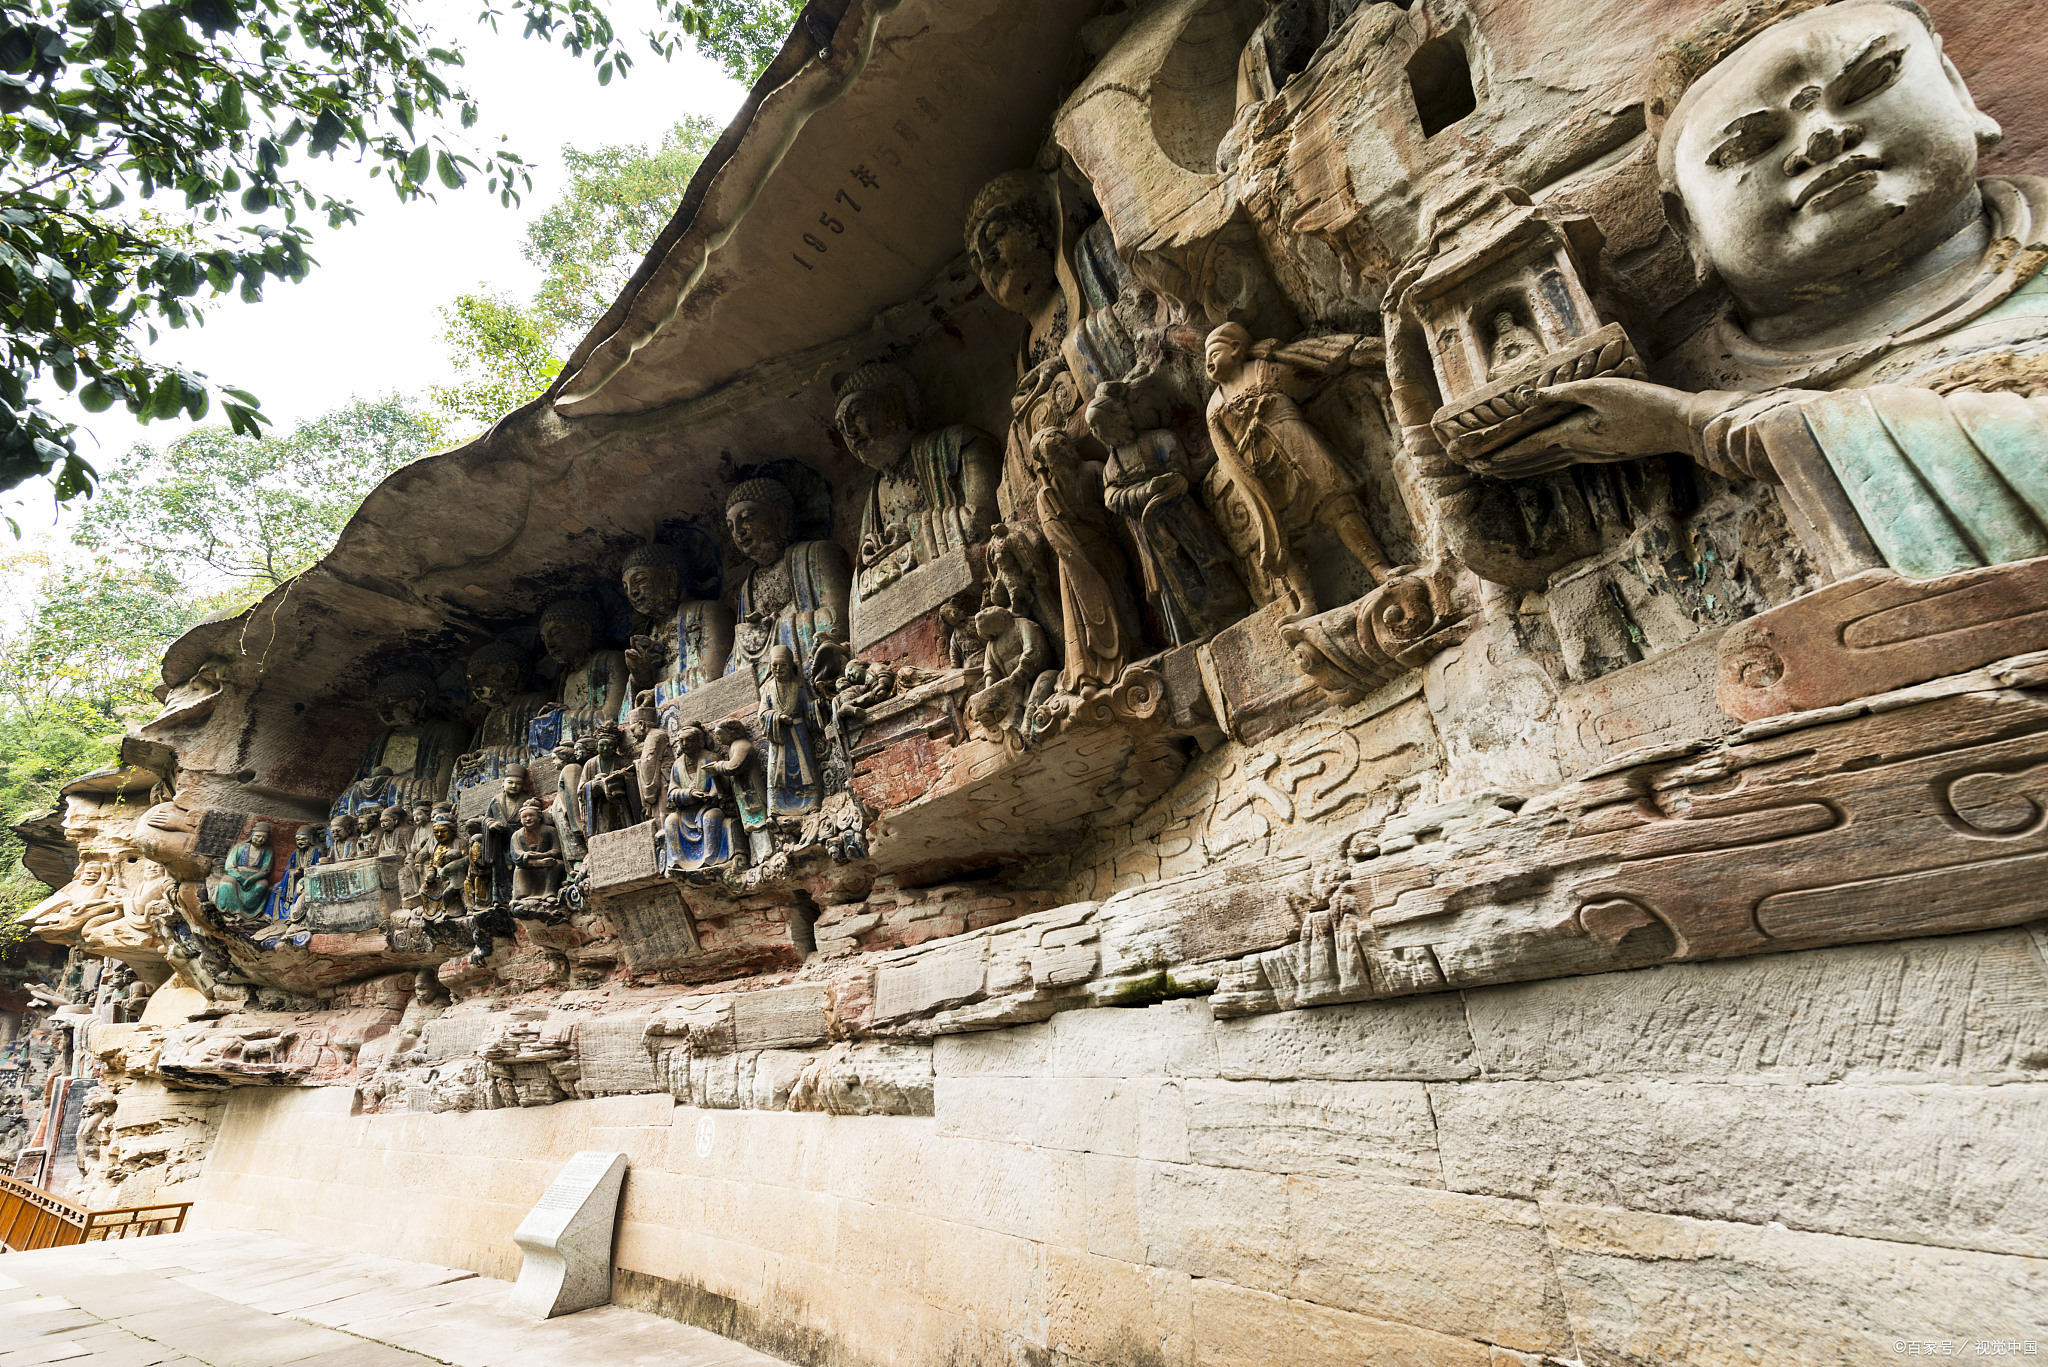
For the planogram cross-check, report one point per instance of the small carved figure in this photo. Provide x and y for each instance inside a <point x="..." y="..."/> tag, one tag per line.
<point x="933" y="491"/>
<point x="964" y="646"/>
<point x="394" y="833"/>
<point x="796" y="592"/>
<point x="1015" y="675"/>
<point x="480" y="885"/>
<point x="653" y="752"/>
<point x="788" y="722"/>
<point x="536" y="854"/>
<point x="566" y="807"/>
<point x="341" y="837"/>
<point x="422" y="846"/>
<point x="500" y="819"/>
<point x="1190" y="581"/>
<point x="305" y="855"/>
<point x="245" y="877"/>
<point x="1515" y="344"/>
<point x="1279" y="464"/>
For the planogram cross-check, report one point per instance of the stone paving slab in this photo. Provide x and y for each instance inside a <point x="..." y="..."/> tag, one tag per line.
<point x="240" y="1299"/>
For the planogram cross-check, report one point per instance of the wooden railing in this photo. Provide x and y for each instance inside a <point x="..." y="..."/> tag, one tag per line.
<point x="32" y="1218"/>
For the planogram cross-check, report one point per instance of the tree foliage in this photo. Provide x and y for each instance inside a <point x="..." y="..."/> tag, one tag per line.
<point x="216" y="105"/>
<point x="588" y="243"/>
<point x="217" y="510"/>
<point x="618" y="200"/>
<point x="504" y="356"/>
<point x="743" y="36"/>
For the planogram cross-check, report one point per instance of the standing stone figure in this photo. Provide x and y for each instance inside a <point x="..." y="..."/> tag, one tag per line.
<point x="566" y="807"/>
<point x="245" y="877"/>
<point x="1881" y="358"/>
<point x="1097" y="617"/>
<point x="305" y="856"/>
<point x="443" y="869"/>
<point x="500" y="819"/>
<point x="611" y="788"/>
<point x="796" y="592"/>
<point x="1279" y="464"/>
<point x="652" y="752"/>
<point x="1190" y="579"/>
<point x="789" y="724"/>
<point x="933" y="491"/>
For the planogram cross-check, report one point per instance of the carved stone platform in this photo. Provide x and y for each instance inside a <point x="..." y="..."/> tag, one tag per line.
<point x="1878" y="631"/>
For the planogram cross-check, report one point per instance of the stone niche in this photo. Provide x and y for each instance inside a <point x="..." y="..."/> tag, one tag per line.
<point x="1249" y="609"/>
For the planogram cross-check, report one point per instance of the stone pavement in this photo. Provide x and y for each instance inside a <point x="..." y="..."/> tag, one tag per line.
<point x="230" y="1298"/>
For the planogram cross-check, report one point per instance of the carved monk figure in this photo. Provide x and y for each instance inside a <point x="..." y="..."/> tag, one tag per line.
<point x="796" y="591"/>
<point x="683" y="642"/>
<point x="394" y="833"/>
<point x="697" y="832"/>
<point x="500" y="819"/>
<point x="443" y="869"/>
<point x="536" y="854"/>
<point x="341" y="837"/>
<point x="594" y="682"/>
<point x="1279" y="464"/>
<point x="1882" y="356"/>
<point x="611" y="789"/>
<point x="652" y="752"/>
<point x="1190" y="579"/>
<point x="1096" y="615"/>
<point x="245" y="877"/>
<point x="1017" y="655"/>
<point x="566" y="808"/>
<point x="741" y="769"/>
<point x="291" y="888"/>
<point x="788" y="727"/>
<point x="933" y="492"/>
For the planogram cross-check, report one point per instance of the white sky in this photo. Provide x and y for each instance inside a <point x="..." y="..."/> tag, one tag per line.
<point x="366" y="320"/>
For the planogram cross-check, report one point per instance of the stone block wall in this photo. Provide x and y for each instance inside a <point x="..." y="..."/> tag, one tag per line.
<point x="1801" y="1158"/>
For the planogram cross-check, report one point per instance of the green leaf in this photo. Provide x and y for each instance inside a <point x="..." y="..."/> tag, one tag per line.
<point x="417" y="164"/>
<point x="451" y="175"/>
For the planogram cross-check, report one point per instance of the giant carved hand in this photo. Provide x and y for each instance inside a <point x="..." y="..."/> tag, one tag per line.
<point x="1608" y="420"/>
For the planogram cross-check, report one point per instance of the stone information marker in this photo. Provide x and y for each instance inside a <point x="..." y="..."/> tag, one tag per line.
<point x="567" y="1238"/>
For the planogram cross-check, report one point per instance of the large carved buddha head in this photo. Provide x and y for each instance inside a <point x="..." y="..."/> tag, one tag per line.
<point x="653" y="579"/>
<point x="568" y="628"/>
<point x="403" y="697"/>
<point x="758" y="513"/>
<point x="878" y="414"/>
<point x="1012" y="234"/>
<point x="497" y="673"/>
<point x="1810" y="149"/>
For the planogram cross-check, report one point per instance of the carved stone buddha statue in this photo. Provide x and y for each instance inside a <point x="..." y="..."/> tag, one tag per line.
<point x="796" y="592"/>
<point x="680" y="643"/>
<point x="1881" y="354"/>
<point x="933" y="491"/>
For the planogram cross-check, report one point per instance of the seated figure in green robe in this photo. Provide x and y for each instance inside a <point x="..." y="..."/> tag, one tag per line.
<point x="1885" y="358"/>
<point x="245" y="877"/>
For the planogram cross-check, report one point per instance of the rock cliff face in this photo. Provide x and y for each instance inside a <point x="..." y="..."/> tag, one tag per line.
<point x="1401" y="719"/>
